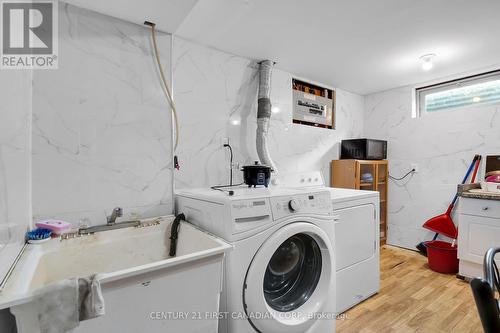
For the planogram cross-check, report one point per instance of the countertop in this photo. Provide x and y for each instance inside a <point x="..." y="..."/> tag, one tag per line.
<point x="465" y="191"/>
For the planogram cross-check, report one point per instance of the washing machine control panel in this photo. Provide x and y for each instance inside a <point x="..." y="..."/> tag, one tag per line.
<point x="319" y="203"/>
<point x="294" y="205"/>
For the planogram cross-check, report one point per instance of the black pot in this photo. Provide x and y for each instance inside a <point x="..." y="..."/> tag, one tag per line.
<point x="256" y="174"/>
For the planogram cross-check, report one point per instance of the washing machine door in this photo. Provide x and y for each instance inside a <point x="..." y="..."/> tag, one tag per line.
<point x="289" y="280"/>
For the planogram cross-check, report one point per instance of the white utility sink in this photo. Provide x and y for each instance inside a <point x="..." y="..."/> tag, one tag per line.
<point x="138" y="277"/>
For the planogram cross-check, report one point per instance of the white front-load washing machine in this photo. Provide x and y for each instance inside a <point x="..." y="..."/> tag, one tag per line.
<point x="280" y="275"/>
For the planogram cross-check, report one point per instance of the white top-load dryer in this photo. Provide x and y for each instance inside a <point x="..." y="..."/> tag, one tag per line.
<point x="280" y="276"/>
<point x="356" y="234"/>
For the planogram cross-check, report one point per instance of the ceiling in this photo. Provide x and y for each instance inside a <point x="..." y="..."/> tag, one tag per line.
<point x="167" y="14"/>
<point x="361" y="46"/>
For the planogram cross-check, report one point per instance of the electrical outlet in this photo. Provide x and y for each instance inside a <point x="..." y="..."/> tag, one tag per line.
<point x="224" y="141"/>
<point x="414" y="166"/>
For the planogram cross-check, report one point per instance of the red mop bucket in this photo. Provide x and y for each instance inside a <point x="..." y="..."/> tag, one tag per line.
<point x="442" y="257"/>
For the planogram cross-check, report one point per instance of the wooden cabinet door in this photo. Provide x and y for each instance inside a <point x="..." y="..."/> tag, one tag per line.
<point x="344" y="174"/>
<point x="366" y="176"/>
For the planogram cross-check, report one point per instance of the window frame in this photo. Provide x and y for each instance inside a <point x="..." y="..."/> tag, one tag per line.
<point x="421" y="92"/>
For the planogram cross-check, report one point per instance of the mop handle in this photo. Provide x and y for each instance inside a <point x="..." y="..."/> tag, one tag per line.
<point x="474" y="160"/>
<point x="473" y="179"/>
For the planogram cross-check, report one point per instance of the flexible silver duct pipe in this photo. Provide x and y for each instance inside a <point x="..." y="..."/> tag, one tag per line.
<point x="264" y="113"/>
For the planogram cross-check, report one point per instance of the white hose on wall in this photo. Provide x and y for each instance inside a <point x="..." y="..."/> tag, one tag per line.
<point x="264" y="114"/>
<point x="165" y="87"/>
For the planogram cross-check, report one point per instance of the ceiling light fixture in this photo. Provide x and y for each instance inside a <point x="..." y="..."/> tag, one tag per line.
<point x="426" y="60"/>
<point x="275" y="109"/>
<point x="476" y="99"/>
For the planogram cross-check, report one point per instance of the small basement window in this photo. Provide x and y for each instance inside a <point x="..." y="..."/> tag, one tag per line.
<point x="465" y="92"/>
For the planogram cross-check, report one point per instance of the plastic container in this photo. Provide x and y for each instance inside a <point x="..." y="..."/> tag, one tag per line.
<point x="493" y="179"/>
<point x="367" y="177"/>
<point x="442" y="257"/>
<point x="490" y="187"/>
<point x="492" y="176"/>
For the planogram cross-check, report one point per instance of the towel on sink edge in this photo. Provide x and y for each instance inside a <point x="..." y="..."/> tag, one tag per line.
<point x="91" y="302"/>
<point x="62" y="305"/>
<point x="56" y="306"/>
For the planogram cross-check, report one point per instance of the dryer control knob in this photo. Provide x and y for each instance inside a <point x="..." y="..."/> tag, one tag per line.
<point x="294" y="205"/>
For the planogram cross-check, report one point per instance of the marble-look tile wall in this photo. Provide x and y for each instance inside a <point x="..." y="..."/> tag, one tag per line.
<point x="101" y="126"/>
<point x="216" y="97"/>
<point x="101" y="129"/>
<point x="15" y="113"/>
<point x="442" y="144"/>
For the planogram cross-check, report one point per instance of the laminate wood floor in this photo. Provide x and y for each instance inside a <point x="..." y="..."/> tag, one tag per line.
<point x="413" y="299"/>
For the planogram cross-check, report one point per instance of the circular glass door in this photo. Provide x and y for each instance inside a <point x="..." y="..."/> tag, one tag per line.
<point x="293" y="273"/>
<point x="290" y="278"/>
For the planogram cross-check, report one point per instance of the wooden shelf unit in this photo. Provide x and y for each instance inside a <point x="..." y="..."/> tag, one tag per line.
<point x="364" y="175"/>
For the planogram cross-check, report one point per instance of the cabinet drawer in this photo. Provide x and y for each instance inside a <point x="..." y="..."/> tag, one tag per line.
<point x="480" y="207"/>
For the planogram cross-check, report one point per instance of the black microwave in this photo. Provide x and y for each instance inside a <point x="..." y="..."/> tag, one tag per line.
<point x="363" y="149"/>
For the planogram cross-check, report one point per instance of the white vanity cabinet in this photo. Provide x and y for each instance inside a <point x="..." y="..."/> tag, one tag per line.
<point x="478" y="230"/>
